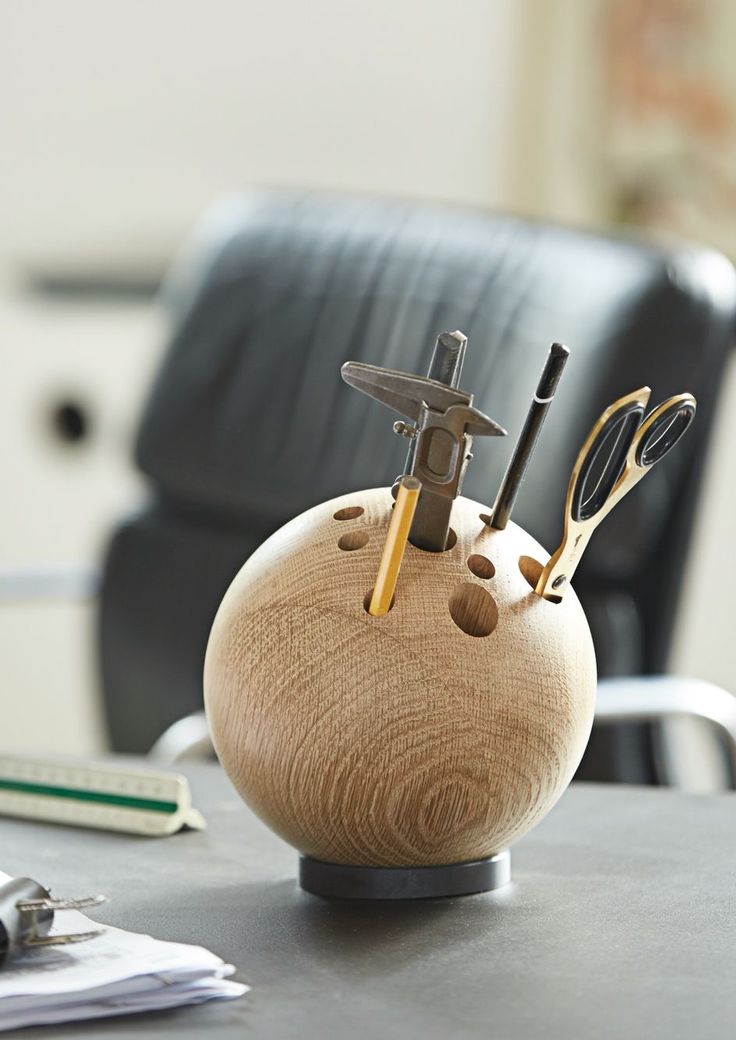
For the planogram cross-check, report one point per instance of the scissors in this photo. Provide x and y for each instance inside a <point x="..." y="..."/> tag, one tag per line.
<point x="620" y="449"/>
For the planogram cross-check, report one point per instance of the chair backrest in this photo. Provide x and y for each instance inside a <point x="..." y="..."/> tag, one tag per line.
<point x="248" y="422"/>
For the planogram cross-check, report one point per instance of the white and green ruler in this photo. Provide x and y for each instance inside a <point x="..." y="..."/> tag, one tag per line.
<point x="113" y="798"/>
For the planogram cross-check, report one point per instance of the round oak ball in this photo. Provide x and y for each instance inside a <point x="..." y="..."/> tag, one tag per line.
<point x="437" y="734"/>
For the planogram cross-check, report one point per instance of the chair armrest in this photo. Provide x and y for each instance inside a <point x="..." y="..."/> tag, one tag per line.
<point x="187" y="739"/>
<point x="657" y="697"/>
<point x="39" y="584"/>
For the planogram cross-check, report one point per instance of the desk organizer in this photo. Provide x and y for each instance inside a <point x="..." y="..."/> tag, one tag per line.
<point x="403" y="744"/>
<point x="425" y="741"/>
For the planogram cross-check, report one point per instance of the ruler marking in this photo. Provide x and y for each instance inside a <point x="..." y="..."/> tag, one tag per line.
<point x="100" y="797"/>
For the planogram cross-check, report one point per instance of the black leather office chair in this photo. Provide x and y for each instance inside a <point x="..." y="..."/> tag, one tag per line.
<point x="248" y="422"/>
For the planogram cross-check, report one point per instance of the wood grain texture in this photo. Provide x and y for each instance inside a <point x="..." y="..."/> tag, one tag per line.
<point x="398" y="740"/>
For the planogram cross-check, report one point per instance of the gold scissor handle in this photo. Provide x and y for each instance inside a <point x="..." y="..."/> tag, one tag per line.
<point x="561" y="566"/>
<point x="642" y="444"/>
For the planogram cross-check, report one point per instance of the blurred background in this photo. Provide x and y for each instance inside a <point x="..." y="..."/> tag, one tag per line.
<point x="120" y="124"/>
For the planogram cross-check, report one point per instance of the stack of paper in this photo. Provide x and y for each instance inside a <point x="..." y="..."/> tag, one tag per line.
<point x="115" y="973"/>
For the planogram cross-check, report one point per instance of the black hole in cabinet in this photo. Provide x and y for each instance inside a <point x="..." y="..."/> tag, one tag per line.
<point x="70" y="422"/>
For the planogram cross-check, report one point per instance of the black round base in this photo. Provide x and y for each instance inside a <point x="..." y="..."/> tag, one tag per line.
<point x="336" y="881"/>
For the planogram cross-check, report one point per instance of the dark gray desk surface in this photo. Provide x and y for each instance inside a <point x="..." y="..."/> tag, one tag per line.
<point x="619" y="923"/>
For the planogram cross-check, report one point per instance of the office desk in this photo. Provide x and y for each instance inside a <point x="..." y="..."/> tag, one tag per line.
<point x="620" y="923"/>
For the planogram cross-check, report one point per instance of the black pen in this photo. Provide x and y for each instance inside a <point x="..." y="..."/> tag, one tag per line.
<point x="558" y="355"/>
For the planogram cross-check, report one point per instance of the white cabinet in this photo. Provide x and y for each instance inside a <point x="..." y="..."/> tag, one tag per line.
<point x="74" y="375"/>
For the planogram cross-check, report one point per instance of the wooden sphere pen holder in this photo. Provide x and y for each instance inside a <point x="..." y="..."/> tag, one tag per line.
<point x="401" y="754"/>
<point x="412" y="743"/>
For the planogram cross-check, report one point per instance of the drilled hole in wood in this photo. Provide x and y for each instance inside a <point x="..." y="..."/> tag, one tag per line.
<point x="481" y="566"/>
<point x="485" y="517"/>
<point x="473" y="610"/>
<point x="348" y="513"/>
<point x="532" y="569"/>
<point x="367" y="601"/>
<point x="449" y="544"/>
<point x="352" y="540"/>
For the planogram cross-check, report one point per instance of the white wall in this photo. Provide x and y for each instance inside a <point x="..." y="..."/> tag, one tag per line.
<point x="122" y="120"/>
<point x="704" y="644"/>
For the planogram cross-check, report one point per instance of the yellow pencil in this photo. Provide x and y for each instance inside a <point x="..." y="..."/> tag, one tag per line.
<point x="393" y="550"/>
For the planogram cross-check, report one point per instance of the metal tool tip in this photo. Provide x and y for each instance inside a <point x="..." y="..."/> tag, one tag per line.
<point x="559" y="350"/>
<point x="351" y="372"/>
<point x="454" y="341"/>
